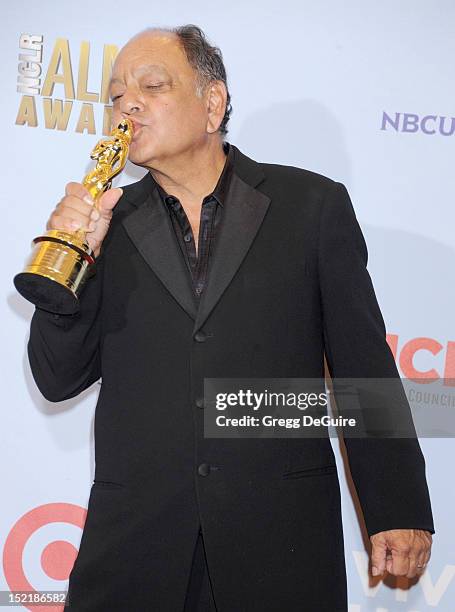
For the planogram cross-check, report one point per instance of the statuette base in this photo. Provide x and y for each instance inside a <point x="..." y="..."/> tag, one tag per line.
<point x="56" y="272"/>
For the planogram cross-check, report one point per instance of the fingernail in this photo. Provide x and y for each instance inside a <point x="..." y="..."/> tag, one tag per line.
<point x="375" y="571"/>
<point x="88" y="199"/>
<point x="95" y="215"/>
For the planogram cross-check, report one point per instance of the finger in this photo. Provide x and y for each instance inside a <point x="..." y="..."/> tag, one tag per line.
<point x="420" y="563"/>
<point x="72" y="213"/>
<point x="92" y="226"/>
<point x="399" y="563"/>
<point x="70" y="224"/>
<point x="424" y="553"/>
<point x="78" y="190"/>
<point x="109" y="199"/>
<point x="428" y="537"/>
<point x="416" y="562"/>
<point x="76" y="204"/>
<point x="425" y="558"/>
<point x="378" y="559"/>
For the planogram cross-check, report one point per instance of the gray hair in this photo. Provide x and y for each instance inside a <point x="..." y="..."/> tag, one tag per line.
<point x="206" y="59"/>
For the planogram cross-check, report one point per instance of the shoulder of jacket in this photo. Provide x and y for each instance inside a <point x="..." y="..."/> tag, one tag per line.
<point x="301" y="177"/>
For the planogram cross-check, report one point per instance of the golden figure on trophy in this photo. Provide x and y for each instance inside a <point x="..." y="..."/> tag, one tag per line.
<point x="61" y="260"/>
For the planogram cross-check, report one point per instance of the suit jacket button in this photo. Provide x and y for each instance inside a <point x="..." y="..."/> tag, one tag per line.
<point x="204" y="469"/>
<point x="200" y="336"/>
<point x="200" y="402"/>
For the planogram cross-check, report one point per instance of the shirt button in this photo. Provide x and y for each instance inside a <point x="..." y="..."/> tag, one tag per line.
<point x="200" y="336"/>
<point x="187" y="238"/>
<point x="200" y="402"/>
<point x="204" y="469"/>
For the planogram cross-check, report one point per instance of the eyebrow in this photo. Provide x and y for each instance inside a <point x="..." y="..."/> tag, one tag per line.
<point x="112" y="81"/>
<point x="142" y="70"/>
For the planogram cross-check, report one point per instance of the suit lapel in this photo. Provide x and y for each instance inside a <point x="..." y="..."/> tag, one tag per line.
<point x="150" y="229"/>
<point x="240" y="222"/>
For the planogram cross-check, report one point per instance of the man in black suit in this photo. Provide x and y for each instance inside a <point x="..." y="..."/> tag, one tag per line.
<point x="216" y="266"/>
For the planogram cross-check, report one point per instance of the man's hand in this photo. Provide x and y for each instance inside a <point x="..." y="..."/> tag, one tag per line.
<point x="402" y="552"/>
<point x="75" y="211"/>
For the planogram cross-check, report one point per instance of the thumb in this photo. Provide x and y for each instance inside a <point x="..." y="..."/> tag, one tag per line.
<point x="109" y="199"/>
<point x="378" y="557"/>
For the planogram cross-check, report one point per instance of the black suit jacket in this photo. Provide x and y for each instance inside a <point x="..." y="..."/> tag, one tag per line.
<point x="287" y="282"/>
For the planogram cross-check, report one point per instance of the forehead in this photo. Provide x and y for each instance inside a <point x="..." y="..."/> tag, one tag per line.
<point x="152" y="51"/>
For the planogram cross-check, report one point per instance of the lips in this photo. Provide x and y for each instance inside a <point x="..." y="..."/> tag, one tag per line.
<point x="136" y="125"/>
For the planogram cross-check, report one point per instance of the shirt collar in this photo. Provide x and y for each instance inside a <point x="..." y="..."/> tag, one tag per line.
<point x="222" y="186"/>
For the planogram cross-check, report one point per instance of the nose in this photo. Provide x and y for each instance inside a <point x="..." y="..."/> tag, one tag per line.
<point x="130" y="104"/>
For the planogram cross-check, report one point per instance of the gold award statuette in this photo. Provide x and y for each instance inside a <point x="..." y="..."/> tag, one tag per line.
<point x="61" y="261"/>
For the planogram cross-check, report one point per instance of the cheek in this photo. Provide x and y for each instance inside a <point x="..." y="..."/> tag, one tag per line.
<point x="162" y="114"/>
<point x="183" y="111"/>
<point x="170" y="120"/>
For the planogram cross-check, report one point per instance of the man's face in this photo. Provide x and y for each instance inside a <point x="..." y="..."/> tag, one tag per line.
<point x="154" y="85"/>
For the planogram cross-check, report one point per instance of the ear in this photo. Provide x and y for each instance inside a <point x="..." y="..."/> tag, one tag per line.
<point x="216" y="105"/>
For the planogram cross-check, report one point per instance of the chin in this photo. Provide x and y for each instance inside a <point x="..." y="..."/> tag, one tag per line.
<point x="138" y="156"/>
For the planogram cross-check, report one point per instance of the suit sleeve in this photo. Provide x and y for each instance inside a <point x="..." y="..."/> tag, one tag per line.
<point x="63" y="350"/>
<point x="388" y="473"/>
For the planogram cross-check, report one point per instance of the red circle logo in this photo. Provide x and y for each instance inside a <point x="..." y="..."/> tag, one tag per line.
<point x="57" y="558"/>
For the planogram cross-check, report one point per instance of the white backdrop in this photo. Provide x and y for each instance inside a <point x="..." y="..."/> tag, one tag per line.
<point x="355" y="90"/>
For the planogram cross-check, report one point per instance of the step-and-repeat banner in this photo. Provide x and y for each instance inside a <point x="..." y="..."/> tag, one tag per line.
<point x="360" y="91"/>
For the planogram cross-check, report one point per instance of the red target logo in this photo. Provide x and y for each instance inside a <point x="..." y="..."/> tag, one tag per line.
<point x="57" y="557"/>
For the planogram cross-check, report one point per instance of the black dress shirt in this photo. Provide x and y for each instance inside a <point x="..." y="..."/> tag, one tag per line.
<point x="211" y="212"/>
